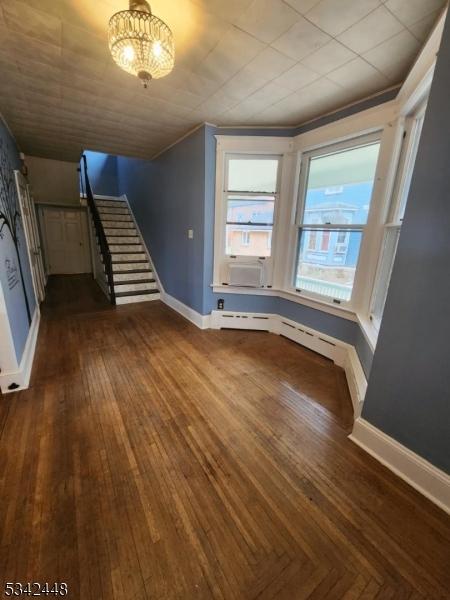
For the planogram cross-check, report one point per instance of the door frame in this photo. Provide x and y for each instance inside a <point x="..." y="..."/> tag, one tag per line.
<point x="41" y="207"/>
<point x="32" y="237"/>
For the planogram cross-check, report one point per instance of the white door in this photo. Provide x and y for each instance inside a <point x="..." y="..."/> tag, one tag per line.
<point x="31" y="235"/>
<point x="66" y="241"/>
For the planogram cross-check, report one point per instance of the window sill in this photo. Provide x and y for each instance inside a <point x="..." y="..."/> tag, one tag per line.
<point x="345" y="313"/>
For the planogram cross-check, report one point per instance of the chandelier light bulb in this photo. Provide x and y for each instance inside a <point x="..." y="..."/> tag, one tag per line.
<point x="128" y="53"/>
<point x="140" y="43"/>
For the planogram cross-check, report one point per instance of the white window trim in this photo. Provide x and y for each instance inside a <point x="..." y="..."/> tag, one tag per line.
<point x="305" y="159"/>
<point x="397" y="200"/>
<point x="382" y="118"/>
<point x="248" y="195"/>
<point x="253" y="146"/>
<point x="389" y="118"/>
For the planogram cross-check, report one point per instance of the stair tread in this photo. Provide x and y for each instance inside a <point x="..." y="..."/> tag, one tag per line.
<point x="136" y="293"/>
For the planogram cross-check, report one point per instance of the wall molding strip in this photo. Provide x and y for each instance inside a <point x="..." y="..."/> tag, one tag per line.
<point x="21" y="376"/>
<point x="409" y="466"/>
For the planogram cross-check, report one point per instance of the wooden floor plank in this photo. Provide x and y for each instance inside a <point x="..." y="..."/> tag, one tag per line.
<point x="153" y="460"/>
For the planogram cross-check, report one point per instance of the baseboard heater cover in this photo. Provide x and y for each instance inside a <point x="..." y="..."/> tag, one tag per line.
<point x="342" y="354"/>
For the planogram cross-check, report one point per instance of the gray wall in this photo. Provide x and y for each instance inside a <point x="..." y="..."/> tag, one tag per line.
<point x="53" y="181"/>
<point x="408" y="396"/>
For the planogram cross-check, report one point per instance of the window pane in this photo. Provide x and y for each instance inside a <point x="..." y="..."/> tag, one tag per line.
<point x="384" y="274"/>
<point x="339" y="187"/>
<point x="250" y="210"/>
<point x="252" y="175"/>
<point x="327" y="262"/>
<point x="244" y="240"/>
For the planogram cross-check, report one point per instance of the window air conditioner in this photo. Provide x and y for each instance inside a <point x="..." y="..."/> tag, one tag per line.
<point x="246" y="275"/>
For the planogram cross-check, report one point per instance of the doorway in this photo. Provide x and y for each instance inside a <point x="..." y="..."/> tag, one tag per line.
<point x="31" y="235"/>
<point x="66" y="240"/>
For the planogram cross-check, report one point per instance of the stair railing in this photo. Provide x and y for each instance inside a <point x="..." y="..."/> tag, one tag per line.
<point x="100" y="232"/>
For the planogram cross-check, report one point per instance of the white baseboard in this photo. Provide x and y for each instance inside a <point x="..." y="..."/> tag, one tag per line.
<point x="21" y="377"/>
<point x="415" y="470"/>
<point x="356" y="379"/>
<point x="201" y="321"/>
<point x="342" y="354"/>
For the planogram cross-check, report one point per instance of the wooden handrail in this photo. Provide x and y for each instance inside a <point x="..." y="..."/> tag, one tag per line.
<point x="100" y="232"/>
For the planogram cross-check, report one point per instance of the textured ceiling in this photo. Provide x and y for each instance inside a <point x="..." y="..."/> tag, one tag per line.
<point x="238" y="62"/>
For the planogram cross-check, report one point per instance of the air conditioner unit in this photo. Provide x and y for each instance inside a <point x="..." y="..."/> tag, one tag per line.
<point x="246" y="275"/>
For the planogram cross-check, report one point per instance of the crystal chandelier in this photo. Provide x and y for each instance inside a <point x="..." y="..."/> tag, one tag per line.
<point x="140" y="43"/>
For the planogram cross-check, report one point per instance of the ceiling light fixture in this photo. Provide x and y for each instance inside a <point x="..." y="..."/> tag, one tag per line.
<point x="140" y="43"/>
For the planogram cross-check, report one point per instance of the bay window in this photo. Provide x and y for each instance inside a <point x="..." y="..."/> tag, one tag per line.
<point x="335" y="194"/>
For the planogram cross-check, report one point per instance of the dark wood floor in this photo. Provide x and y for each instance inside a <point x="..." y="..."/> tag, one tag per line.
<point x="152" y="460"/>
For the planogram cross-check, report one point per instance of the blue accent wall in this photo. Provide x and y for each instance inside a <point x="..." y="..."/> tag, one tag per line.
<point x="14" y="258"/>
<point x="408" y="396"/>
<point x="167" y="197"/>
<point x="103" y="173"/>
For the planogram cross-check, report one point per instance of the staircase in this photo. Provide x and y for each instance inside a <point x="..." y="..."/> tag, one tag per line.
<point x="132" y="271"/>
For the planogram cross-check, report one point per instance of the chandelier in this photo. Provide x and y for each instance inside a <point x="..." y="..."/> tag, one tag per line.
<point x="140" y="43"/>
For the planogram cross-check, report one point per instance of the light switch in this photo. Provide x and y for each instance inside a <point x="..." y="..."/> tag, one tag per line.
<point x="191" y="234"/>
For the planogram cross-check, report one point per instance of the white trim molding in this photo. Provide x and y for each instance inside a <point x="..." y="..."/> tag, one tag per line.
<point x="412" y="468"/>
<point x="21" y="376"/>
<point x="201" y="321"/>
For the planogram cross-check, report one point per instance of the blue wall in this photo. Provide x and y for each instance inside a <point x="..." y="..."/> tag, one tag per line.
<point x="167" y="198"/>
<point x="408" y="396"/>
<point x="10" y="279"/>
<point x="103" y="173"/>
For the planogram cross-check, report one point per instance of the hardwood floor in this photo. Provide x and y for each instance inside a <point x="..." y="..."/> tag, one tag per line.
<point x="152" y="460"/>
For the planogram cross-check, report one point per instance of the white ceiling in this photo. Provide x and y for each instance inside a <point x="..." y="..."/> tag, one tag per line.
<point x="238" y="62"/>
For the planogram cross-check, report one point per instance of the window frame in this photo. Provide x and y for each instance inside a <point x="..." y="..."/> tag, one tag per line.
<point x="305" y="157"/>
<point x="248" y="195"/>
<point x="411" y="134"/>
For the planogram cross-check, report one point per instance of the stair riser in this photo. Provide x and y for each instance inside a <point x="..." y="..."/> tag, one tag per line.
<point x="113" y="211"/>
<point x="114" y="231"/>
<point x="117" y="258"/>
<point x="123" y="239"/>
<point x="134" y="287"/>
<point x="130" y="266"/>
<point x="106" y="219"/>
<point x="124" y="277"/>
<point x="126" y="248"/>
<point x="111" y="204"/>
<point x="134" y="299"/>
